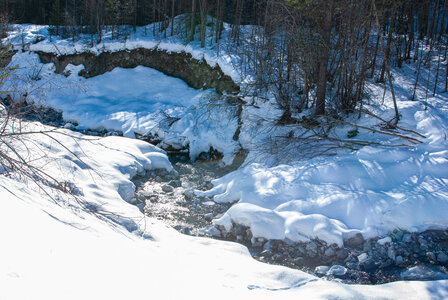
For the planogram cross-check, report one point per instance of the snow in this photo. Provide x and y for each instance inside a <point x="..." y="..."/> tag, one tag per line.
<point x="131" y="101"/>
<point x="63" y="250"/>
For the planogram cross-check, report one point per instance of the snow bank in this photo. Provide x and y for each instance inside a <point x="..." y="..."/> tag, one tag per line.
<point x="131" y="101"/>
<point x="372" y="191"/>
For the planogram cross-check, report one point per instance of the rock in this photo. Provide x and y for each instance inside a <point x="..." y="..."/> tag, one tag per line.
<point x="175" y="183"/>
<point x="329" y="252"/>
<point x="407" y="238"/>
<point x="399" y="260"/>
<point x="69" y="126"/>
<point x="184" y="169"/>
<point x="384" y="241"/>
<point x="321" y="270"/>
<point x="141" y="206"/>
<point x="397" y="235"/>
<point x="363" y="258"/>
<point x="342" y="254"/>
<point x="208" y="216"/>
<point x="113" y="133"/>
<point x="298" y="261"/>
<point x="258" y="242"/>
<point x="154" y="198"/>
<point x="170" y="177"/>
<point x="268" y="246"/>
<point x="442" y="257"/>
<point x="352" y="265"/>
<point x="188" y="194"/>
<point x="431" y="256"/>
<point x="355" y="241"/>
<point x="167" y="188"/>
<point x="391" y="253"/>
<point x="423" y="243"/>
<point x="337" y="270"/>
<point x="210" y="231"/>
<point x="311" y="249"/>
<point x="143" y="195"/>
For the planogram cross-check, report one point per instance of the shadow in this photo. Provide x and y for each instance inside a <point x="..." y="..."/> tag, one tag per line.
<point x="297" y="285"/>
<point x="72" y="224"/>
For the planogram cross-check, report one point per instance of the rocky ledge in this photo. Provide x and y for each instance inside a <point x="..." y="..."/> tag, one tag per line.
<point x="196" y="73"/>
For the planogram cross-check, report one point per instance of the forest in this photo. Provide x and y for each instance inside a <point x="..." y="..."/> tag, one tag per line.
<point x="308" y="54"/>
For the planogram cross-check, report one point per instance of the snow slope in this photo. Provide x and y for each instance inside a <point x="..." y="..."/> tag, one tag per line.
<point x="111" y="251"/>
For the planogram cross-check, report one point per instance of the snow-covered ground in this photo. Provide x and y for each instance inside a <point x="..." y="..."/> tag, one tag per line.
<point x="373" y="190"/>
<point x="60" y="250"/>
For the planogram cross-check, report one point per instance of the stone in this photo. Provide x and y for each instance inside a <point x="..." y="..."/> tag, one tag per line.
<point x="329" y="252"/>
<point x="311" y="249"/>
<point x="321" y="270"/>
<point x="442" y="257"/>
<point x="342" y="254"/>
<point x="258" y="242"/>
<point x="208" y="216"/>
<point x="268" y="246"/>
<point x="431" y="256"/>
<point x="141" y="206"/>
<point x="210" y="231"/>
<point x="175" y="183"/>
<point x="298" y="261"/>
<point x="337" y="271"/>
<point x="154" y="198"/>
<point x="363" y="257"/>
<point x="407" y="238"/>
<point x="167" y="188"/>
<point x="355" y="241"/>
<point x="69" y="126"/>
<point x="391" y="253"/>
<point x="143" y="195"/>
<point x="399" y="260"/>
<point x="188" y="194"/>
<point x="351" y="265"/>
<point x="384" y="241"/>
<point x="423" y="243"/>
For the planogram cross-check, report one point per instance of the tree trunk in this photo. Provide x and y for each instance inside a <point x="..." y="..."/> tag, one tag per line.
<point x="192" y="20"/>
<point x="389" y="42"/>
<point x="323" y="59"/>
